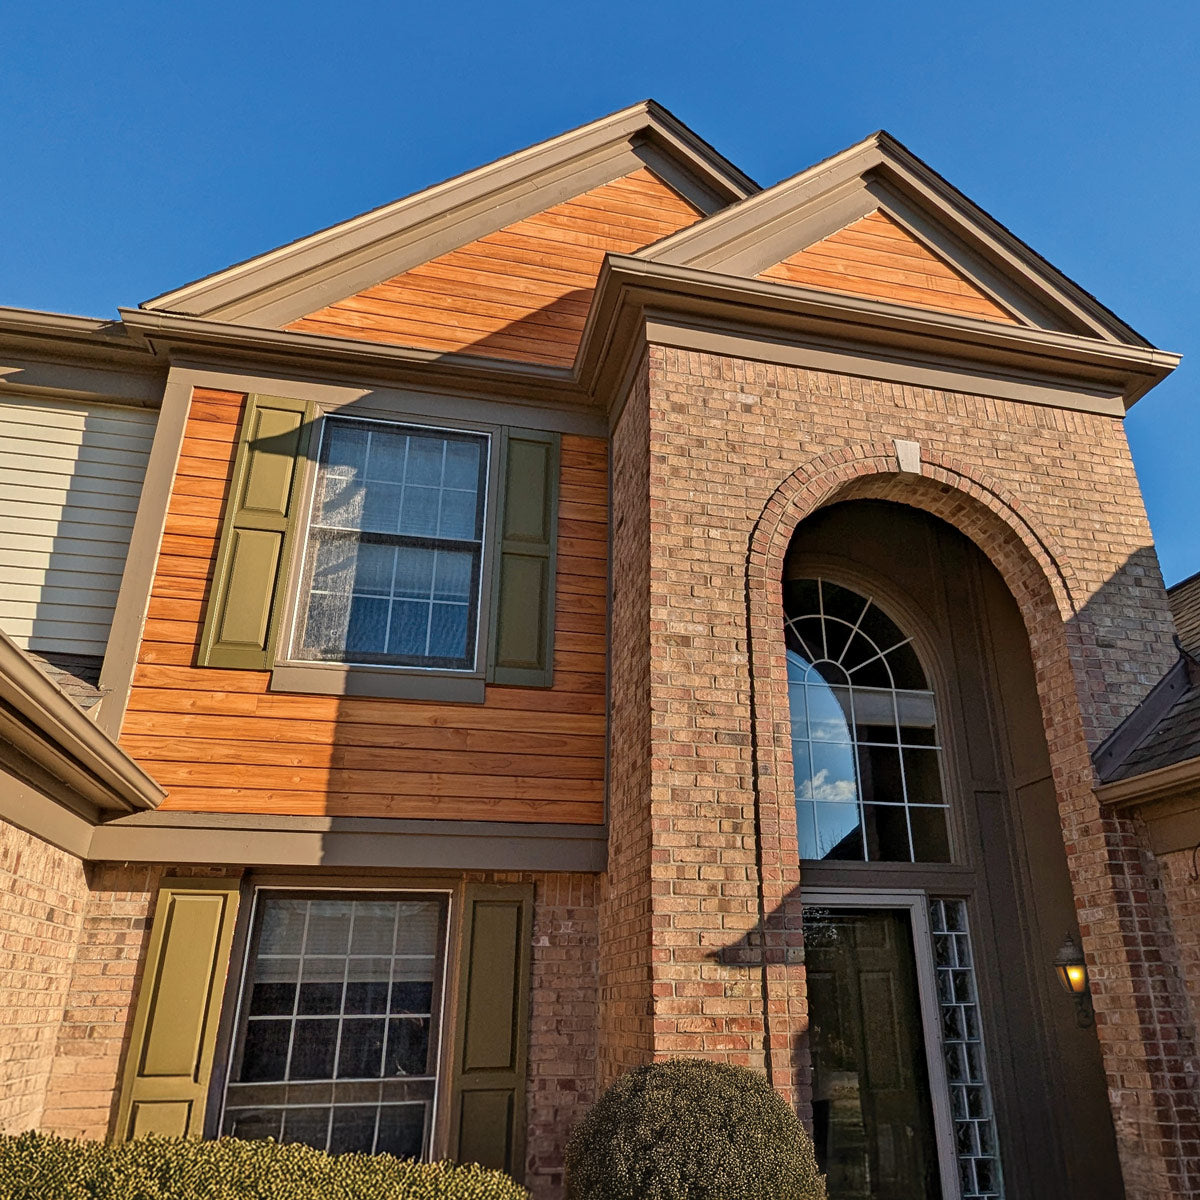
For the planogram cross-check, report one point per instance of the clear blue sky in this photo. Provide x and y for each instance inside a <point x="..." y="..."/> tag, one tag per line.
<point x="145" y="146"/>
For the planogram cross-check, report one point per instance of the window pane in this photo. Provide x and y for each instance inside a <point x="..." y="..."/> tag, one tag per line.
<point x="361" y="1051"/>
<point x="391" y="501"/>
<point x="401" y="1130"/>
<point x="862" y="729"/>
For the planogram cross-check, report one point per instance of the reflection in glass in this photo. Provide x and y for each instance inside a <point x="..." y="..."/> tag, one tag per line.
<point x="337" y="1037"/>
<point x="392" y="568"/>
<point x="863" y="731"/>
<point x="872" y="1111"/>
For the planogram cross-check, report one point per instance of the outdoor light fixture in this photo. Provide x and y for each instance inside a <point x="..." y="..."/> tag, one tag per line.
<point x="1071" y="968"/>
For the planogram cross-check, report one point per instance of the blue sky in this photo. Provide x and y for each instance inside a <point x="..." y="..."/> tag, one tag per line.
<point x="146" y="146"/>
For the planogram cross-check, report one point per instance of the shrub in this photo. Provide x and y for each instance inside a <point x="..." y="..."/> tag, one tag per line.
<point x="35" y="1166"/>
<point x="689" y="1129"/>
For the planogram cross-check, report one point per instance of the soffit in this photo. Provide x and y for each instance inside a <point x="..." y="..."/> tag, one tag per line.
<point x="289" y="283"/>
<point x="879" y="175"/>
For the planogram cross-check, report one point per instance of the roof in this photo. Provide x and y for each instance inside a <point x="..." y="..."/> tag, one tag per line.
<point x="1163" y="732"/>
<point x="1184" y="599"/>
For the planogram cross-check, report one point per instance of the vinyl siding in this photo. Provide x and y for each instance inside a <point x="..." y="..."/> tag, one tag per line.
<point x="70" y="477"/>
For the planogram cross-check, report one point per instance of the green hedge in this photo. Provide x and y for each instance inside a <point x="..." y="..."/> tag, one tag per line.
<point x="35" y="1166"/>
<point x="689" y="1129"/>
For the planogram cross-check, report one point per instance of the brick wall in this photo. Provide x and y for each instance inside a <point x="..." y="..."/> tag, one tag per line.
<point x="562" y="1037"/>
<point x="739" y="453"/>
<point x="43" y="894"/>
<point x="1181" y="890"/>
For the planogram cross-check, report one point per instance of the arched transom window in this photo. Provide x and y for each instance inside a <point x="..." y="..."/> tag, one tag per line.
<point x="864" y="732"/>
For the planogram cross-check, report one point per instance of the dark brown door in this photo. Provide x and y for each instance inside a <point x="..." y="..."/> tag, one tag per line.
<point x="872" y="1116"/>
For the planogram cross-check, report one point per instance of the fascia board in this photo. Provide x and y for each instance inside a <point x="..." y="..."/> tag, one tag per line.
<point x="48" y="728"/>
<point x="747" y="237"/>
<point x="1162" y="784"/>
<point x="75" y="358"/>
<point x="272" y="288"/>
<point x="196" y="341"/>
<point x="629" y="284"/>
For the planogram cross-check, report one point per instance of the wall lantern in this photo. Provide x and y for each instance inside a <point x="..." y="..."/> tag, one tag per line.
<point x="1071" y="968"/>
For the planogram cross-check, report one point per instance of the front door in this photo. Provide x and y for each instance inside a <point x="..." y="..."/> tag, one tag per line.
<point x="902" y="1109"/>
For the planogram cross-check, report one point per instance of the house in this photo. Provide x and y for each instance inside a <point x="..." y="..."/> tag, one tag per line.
<point x="595" y="609"/>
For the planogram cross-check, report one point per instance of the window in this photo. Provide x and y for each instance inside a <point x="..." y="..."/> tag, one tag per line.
<point x="395" y="543"/>
<point x="337" y="1039"/>
<point x="864" y="733"/>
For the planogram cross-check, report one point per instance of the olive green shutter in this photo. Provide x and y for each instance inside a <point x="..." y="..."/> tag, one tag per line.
<point x="241" y="625"/>
<point x="522" y="639"/>
<point x="491" y="1043"/>
<point x="171" y="1047"/>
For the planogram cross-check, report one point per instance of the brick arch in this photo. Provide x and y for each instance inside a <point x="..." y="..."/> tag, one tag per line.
<point x="978" y="507"/>
<point x="1045" y="590"/>
<point x="1108" y="873"/>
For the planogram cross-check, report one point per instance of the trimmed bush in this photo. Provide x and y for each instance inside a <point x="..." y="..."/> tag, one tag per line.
<point x="689" y="1129"/>
<point x="35" y="1166"/>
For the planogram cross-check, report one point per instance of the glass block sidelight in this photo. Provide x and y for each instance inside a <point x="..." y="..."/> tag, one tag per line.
<point x="962" y="1047"/>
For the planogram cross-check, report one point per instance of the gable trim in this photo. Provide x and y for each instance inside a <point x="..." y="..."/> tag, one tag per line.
<point x="294" y="280"/>
<point x="749" y="236"/>
<point x="629" y="287"/>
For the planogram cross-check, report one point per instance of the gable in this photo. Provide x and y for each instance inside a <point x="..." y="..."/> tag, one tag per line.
<point x="877" y="257"/>
<point x="937" y="249"/>
<point x="296" y="281"/>
<point x="522" y="292"/>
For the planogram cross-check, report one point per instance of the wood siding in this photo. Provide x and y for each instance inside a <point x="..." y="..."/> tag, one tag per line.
<point x="879" y="258"/>
<point x="70" y="477"/>
<point x="522" y="292"/>
<point x="220" y="742"/>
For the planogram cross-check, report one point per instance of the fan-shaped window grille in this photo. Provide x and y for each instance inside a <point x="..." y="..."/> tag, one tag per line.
<point x="864" y="732"/>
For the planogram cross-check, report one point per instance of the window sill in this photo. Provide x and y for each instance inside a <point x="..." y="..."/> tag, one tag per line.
<point x="338" y="679"/>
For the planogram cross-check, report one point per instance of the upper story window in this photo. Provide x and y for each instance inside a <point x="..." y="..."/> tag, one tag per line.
<point x="395" y="545"/>
<point x="864" y="732"/>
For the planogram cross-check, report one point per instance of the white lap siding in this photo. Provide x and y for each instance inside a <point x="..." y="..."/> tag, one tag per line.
<point x="70" y="477"/>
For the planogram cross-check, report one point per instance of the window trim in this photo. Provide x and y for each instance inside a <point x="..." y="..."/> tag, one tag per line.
<point x="386" y="681"/>
<point x="235" y="991"/>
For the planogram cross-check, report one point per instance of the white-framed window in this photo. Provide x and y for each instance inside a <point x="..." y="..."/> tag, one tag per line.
<point x="393" y="560"/>
<point x="339" y="1022"/>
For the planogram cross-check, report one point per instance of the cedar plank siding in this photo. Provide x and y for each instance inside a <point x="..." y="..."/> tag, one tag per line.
<point x="522" y="292"/>
<point x="220" y="742"/>
<point x="879" y="258"/>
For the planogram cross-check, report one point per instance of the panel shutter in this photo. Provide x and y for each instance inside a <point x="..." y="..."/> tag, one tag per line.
<point x="171" y="1047"/>
<point x="492" y="1031"/>
<point x="522" y="636"/>
<point x="241" y="625"/>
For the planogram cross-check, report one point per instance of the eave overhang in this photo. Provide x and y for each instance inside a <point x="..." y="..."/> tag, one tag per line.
<point x="631" y="290"/>
<point x="48" y="741"/>
<point x="61" y="356"/>
<point x="631" y="287"/>
<point x="1167" y="783"/>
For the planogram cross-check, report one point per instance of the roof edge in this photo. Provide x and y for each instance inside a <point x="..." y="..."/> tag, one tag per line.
<point x="47" y="729"/>
<point x="220" y="293"/>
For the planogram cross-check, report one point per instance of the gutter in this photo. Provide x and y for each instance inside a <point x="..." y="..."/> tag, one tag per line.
<point x="45" y="737"/>
<point x="1162" y="784"/>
